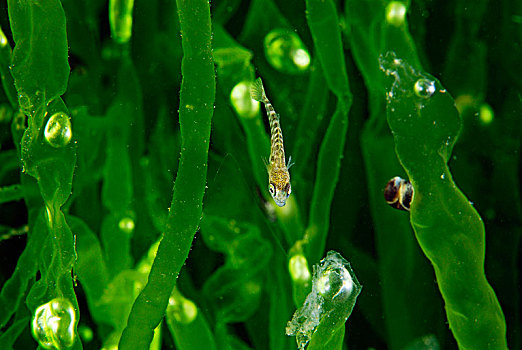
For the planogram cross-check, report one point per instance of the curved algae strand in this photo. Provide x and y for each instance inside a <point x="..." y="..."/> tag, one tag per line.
<point x="325" y="310"/>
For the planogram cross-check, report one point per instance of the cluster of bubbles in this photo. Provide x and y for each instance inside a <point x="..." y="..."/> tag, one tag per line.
<point x="334" y="292"/>
<point x="53" y="324"/>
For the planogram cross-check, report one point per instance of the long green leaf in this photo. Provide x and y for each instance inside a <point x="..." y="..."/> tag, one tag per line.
<point x="196" y="108"/>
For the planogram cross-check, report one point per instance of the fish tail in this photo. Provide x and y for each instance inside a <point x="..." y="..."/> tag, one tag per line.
<point x="257" y="91"/>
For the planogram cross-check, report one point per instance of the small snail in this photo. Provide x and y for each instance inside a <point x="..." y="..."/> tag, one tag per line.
<point x="398" y="193"/>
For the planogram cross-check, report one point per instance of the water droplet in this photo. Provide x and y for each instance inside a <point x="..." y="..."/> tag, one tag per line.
<point x="120" y="18"/>
<point x="442" y="176"/>
<point x="395" y="13"/>
<point x="54" y="323"/>
<point x="334" y="292"/>
<point x="242" y="102"/>
<point x="58" y="131"/>
<point x="298" y="267"/>
<point x="424" y="88"/>
<point x="182" y="310"/>
<point x="126" y="224"/>
<point x="285" y="51"/>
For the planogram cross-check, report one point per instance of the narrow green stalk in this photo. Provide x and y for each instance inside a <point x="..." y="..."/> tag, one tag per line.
<point x="324" y="24"/>
<point x="196" y="109"/>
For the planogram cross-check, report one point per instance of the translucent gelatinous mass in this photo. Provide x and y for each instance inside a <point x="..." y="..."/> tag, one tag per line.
<point x="285" y="51"/>
<point x="298" y="267"/>
<point x="244" y="105"/>
<point x="58" y="132"/>
<point x="53" y="324"/>
<point x="396" y="13"/>
<point x="334" y="292"/>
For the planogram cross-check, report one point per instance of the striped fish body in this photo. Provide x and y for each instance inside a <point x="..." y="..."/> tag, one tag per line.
<point x="278" y="175"/>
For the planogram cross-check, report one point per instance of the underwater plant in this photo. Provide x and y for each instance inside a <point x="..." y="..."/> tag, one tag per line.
<point x="137" y="167"/>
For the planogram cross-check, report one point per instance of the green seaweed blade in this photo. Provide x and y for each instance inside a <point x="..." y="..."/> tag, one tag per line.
<point x="425" y="125"/>
<point x="196" y="109"/>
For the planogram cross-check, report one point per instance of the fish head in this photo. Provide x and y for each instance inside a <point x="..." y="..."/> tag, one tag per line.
<point x="279" y="186"/>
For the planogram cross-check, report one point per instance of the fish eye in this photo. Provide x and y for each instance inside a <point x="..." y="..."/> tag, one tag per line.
<point x="288" y="189"/>
<point x="271" y="188"/>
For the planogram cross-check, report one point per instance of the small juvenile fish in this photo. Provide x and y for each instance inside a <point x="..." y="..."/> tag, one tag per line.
<point x="278" y="175"/>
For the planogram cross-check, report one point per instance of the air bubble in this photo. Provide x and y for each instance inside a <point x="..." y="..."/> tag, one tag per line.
<point x="242" y="102"/>
<point x="86" y="333"/>
<point x="334" y="292"/>
<point x="58" y="131"/>
<point x="395" y="13"/>
<point x="120" y="17"/>
<point x="285" y="51"/>
<point x="126" y="224"/>
<point x="298" y="267"/>
<point x="54" y="323"/>
<point x="181" y="309"/>
<point x="3" y="39"/>
<point x="424" y="88"/>
<point x="486" y="114"/>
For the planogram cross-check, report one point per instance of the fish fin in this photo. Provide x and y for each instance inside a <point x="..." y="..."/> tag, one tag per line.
<point x="290" y="163"/>
<point x="257" y="91"/>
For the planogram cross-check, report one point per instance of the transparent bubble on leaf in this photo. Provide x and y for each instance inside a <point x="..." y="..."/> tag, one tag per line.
<point x="182" y="310"/>
<point x="396" y="13"/>
<point x="408" y="81"/>
<point x="424" y="88"/>
<point x="120" y="18"/>
<point x="58" y="130"/>
<point x="243" y="104"/>
<point x="298" y="267"/>
<point x="285" y="51"/>
<point x="53" y="324"/>
<point x="334" y="292"/>
<point x="127" y="225"/>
